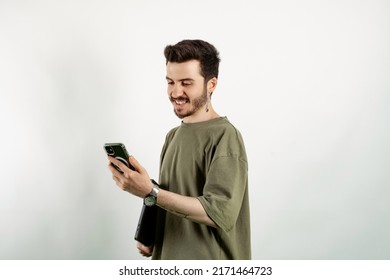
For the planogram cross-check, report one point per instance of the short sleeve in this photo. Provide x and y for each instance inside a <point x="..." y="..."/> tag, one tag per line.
<point x="224" y="190"/>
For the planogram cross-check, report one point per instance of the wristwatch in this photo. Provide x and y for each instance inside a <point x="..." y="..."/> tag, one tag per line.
<point x="151" y="198"/>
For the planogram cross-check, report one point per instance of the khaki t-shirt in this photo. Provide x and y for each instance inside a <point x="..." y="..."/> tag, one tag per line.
<point x="206" y="160"/>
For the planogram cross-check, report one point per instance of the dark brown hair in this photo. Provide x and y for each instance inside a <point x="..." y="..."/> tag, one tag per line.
<point x="202" y="51"/>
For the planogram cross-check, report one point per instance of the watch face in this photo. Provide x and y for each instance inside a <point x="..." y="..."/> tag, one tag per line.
<point x="150" y="200"/>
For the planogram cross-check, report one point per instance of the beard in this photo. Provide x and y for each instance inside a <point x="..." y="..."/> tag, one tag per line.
<point x="196" y="103"/>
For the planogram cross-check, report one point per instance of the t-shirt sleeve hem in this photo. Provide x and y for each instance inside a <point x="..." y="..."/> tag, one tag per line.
<point x="213" y="216"/>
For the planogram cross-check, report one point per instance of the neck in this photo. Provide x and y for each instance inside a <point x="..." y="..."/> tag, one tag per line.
<point x="202" y="115"/>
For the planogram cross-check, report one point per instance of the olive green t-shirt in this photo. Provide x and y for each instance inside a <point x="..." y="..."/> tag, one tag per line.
<point x="206" y="160"/>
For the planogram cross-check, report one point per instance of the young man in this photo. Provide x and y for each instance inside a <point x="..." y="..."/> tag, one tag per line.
<point x="203" y="194"/>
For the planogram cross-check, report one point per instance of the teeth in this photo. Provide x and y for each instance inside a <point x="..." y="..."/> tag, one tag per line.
<point x="180" y="102"/>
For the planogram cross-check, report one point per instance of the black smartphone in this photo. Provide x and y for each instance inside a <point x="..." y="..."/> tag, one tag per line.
<point x="118" y="151"/>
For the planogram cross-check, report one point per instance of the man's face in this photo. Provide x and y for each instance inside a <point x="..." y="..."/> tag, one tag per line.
<point x="186" y="88"/>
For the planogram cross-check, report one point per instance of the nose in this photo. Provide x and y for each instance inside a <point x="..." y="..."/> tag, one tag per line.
<point x="176" y="91"/>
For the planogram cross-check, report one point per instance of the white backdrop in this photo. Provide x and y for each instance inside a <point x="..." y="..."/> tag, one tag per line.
<point x="306" y="82"/>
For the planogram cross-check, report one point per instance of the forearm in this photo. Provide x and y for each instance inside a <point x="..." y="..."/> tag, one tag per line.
<point x="184" y="206"/>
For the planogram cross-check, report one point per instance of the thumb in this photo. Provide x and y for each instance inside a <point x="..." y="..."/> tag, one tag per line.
<point x="135" y="163"/>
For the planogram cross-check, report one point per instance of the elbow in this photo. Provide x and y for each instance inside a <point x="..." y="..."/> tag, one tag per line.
<point x="206" y="220"/>
<point x="210" y="223"/>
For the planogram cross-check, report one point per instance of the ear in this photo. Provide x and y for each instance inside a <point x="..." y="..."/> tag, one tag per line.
<point x="212" y="84"/>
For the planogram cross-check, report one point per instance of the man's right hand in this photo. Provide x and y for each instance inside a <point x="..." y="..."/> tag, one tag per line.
<point x="145" y="250"/>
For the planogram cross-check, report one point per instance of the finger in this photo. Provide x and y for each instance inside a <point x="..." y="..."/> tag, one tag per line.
<point x="115" y="172"/>
<point x="137" y="166"/>
<point x="145" y="254"/>
<point x="123" y="167"/>
<point x="145" y="250"/>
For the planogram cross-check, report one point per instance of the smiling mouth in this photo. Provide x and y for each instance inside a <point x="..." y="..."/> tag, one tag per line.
<point x="179" y="101"/>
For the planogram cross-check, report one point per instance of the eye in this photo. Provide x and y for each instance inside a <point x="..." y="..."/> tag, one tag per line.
<point x="185" y="84"/>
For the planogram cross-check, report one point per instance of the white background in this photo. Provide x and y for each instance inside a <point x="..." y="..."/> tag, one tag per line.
<point x="306" y="82"/>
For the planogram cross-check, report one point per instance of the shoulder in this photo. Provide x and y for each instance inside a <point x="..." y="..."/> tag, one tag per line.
<point x="229" y="141"/>
<point x="230" y="131"/>
<point x="171" y="133"/>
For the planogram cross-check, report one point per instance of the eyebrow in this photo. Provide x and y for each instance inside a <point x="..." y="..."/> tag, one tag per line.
<point x="181" y="80"/>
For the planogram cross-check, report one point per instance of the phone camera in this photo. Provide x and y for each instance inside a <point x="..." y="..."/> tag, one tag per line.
<point x="109" y="150"/>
